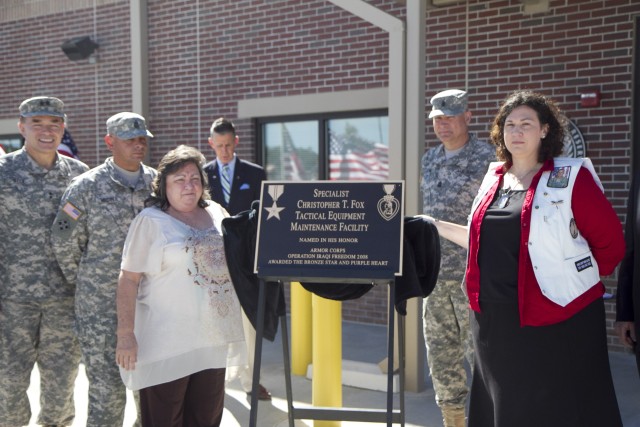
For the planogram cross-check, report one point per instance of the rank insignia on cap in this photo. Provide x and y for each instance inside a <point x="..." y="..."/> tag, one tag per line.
<point x="42" y="106"/>
<point x="127" y="125"/>
<point x="450" y="103"/>
<point x="73" y="212"/>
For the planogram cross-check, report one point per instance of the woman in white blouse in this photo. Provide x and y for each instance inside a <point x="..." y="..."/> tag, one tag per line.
<point x="179" y="322"/>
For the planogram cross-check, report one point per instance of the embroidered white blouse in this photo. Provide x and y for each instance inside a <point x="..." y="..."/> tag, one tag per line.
<point x="187" y="312"/>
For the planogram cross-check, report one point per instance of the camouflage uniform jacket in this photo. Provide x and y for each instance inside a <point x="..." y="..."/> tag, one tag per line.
<point x="89" y="232"/>
<point x="448" y="189"/>
<point x="29" y="199"/>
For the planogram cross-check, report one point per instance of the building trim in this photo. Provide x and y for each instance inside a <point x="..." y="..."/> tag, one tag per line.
<point x="366" y="99"/>
<point x="16" y="10"/>
<point x="9" y="126"/>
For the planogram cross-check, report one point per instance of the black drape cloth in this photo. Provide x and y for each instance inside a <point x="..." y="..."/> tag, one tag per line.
<point x="420" y="267"/>
<point x="239" y="234"/>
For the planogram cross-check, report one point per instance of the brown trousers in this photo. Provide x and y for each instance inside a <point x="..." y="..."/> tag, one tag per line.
<point x="193" y="401"/>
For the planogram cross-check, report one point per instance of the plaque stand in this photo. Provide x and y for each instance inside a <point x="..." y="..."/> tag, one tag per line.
<point x="388" y="416"/>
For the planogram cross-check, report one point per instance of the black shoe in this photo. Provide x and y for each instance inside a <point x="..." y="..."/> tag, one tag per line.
<point x="263" y="393"/>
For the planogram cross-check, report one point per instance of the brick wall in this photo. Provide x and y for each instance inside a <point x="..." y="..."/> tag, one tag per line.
<point x="252" y="49"/>
<point x="91" y="92"/>
<point x="203" y="60"/>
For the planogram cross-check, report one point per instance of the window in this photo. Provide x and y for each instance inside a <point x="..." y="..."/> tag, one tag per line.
<point x="329" y="147"/>
<point x="11" y="142"/>
<point x="291" y="150"/>
<point x="359" y="149"/>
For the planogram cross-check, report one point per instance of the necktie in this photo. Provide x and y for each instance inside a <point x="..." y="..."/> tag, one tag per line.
<point x="226" y="182"/>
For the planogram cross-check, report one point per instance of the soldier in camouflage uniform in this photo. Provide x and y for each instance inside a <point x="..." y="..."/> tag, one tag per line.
<point x="87" y="236"/>
<point x="36" y="302"/>
<point x="451" y="175"/>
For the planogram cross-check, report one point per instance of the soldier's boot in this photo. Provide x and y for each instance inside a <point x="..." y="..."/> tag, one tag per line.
<point x="453" y="416"/>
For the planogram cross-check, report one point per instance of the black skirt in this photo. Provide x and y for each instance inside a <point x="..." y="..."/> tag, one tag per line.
<point x="542" y="376"/>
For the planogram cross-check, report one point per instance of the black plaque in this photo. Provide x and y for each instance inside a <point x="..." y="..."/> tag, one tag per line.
<point x="330" y="231"/>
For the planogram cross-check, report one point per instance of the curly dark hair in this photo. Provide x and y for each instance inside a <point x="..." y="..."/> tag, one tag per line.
<point x="548" y="114"/>
<point x="173" y="161"/>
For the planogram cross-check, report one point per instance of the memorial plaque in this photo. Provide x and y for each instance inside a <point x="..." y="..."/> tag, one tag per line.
<point x="330" y="231"/>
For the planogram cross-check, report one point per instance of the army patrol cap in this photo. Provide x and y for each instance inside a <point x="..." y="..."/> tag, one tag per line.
<point x="42" y="106"/>
<point x="127" y="126"/>
<point x="448" y="103"/>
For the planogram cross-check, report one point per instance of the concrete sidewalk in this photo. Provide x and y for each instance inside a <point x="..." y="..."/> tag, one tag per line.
<point x="364" y="343"/>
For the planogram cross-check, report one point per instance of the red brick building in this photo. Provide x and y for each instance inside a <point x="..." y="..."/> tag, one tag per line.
<point x="183" y="63"/>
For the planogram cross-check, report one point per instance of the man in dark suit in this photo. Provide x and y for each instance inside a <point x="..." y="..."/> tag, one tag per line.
<point x="235" y="183"/>
<point x="244" y="177"/>
<point x="628" y="295"/>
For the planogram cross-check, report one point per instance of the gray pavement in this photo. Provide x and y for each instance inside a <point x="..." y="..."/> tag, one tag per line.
<point x="364" y="343"/>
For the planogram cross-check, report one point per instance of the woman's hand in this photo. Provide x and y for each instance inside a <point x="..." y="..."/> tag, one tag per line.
<point x="127" y="351"/>
<point x="127" y="347"/>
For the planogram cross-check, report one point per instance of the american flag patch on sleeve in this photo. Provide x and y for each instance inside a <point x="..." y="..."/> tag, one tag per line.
<point x="73" y="212"/>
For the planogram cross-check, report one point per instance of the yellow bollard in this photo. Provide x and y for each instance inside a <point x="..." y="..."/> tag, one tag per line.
<point x="300" y="329"/>
<point x="327" y="356"/>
